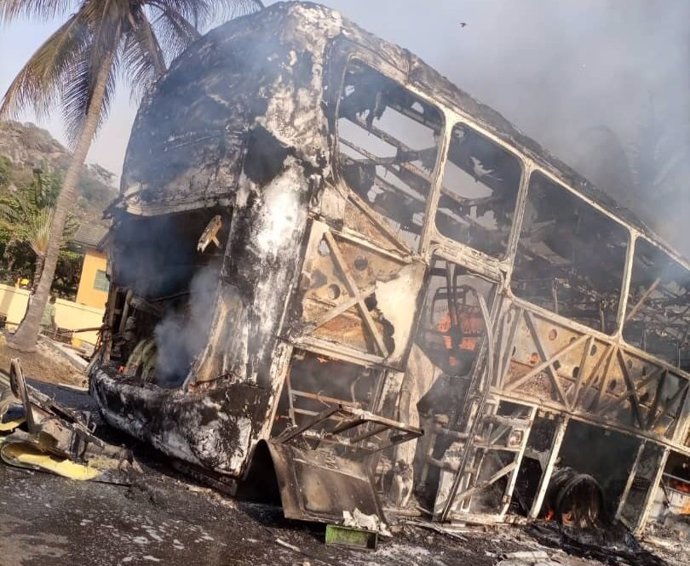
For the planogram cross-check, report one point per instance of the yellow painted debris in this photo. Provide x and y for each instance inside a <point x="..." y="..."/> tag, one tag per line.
<point x="10" y="425"/>
<point x="26" y="455"/>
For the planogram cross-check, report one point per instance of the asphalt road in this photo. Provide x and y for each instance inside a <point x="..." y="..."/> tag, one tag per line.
<point x="46" y="520"/>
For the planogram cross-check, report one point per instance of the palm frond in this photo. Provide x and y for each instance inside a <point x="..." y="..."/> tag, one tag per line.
<point x="39" y="231"/>
<point x="67" y="65"/>
<point x="78" y="92"/>
<point x="141" y="56"/>
<point x="196" y="12"/>
<point x="242" y="7"/>
<point x="28" y="213"/>
<point x="146" y="37"/>
<point x="135" y="68"/>
<point x="37" y="9"/>
<point x="201" y="13"/>
<point x="13" y="213"/>
<point x="228" y="9"/>
<point x="81" y="78"/>
<point x="38" y="84"/>
<point x="45" y="189"/>
<point x="174" y="31"/>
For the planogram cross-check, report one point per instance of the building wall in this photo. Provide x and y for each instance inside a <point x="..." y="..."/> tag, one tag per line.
<point x="93" y="290"/>
<point x="13" y="302"/>
<point x="69" y="315"/>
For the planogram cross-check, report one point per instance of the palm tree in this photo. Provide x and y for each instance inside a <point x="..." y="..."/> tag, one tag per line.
<point x="648" y="174"/>
<point x="77" y="66"/>
<point x="28" y="215"/>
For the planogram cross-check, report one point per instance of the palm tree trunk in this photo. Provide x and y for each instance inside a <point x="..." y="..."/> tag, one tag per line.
<point x="38" y="269"/>
<point x="27" y="334"/>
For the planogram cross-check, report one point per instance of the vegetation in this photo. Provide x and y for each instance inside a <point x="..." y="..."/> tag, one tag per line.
<point x="26" y="150"/>
<point x="77" y="66"/>
<point x="647" y="173"/>
<point x="25" y="147"/>
<point x="26" y="216"/>
<point x="5" y="168"/>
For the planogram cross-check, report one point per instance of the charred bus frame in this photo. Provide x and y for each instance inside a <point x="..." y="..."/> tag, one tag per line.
<point x="322" y="247"/>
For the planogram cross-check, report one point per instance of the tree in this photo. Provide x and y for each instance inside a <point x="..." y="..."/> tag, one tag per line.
<point x="28" y="214"/>
<point x="78" y="65"/>
<point x="4" y="171"/>
<point x="648" y="174"/>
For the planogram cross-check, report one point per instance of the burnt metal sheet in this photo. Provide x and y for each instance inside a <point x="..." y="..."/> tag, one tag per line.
<point x="59" y="440"/>
<point x="336" y="476"/>
<point x="207" y="427"/>
<point x="62" y="430"/>
<point x="318" y="486"/>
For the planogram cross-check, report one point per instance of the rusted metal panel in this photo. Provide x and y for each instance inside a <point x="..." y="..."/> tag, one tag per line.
<point x="571" y="370"/>
<point x="318" y="481"/>
<point x="356" y="297"/>
<point x="318" y="486"/>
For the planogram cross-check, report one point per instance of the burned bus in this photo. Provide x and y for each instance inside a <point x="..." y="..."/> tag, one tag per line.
<point x="329" y="262"/>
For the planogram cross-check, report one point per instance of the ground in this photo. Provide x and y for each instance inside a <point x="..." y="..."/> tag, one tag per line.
<point x="163" y="517"/>
<point x="46" y="364"/>
<point x="47" y="520"/>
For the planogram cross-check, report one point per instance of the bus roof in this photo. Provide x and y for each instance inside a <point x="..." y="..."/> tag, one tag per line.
<point x="297" y="19"/>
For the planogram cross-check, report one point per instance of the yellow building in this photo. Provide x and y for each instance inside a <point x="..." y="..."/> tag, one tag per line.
<point x="93" y="283"/>
<point x="92" y="293"/>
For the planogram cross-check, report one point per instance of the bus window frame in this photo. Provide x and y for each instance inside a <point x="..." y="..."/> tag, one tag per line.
<point x="627" y="265"/>
<point x="391" y="73"/>
<point x="460" y="250"/>
<point x="432" y="242"/>
<point x="636" y="236"/>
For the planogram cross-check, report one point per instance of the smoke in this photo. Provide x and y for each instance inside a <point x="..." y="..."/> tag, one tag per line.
<point x="155" y="256"/>
<point x="181" y="334"/>
<point x="564" y="73"/>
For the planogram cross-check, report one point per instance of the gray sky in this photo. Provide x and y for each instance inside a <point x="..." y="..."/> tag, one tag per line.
<point x="554" y="68"/>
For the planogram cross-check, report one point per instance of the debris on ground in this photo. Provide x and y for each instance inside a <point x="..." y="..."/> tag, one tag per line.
<point x="613" y="545"/>
<point x="48" y="436"/>
<point x="359" y="520"/>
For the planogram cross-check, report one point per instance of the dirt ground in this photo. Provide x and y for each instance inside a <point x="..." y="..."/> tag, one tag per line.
<point x="45" y="364"/>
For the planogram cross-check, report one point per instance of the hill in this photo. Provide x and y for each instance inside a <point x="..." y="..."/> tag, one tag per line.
<point x="24" y="147"/>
